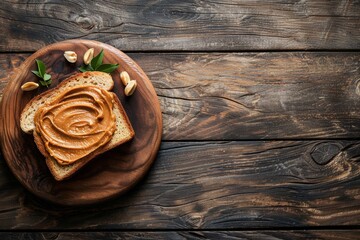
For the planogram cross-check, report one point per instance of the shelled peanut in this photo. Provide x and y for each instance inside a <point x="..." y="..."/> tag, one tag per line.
<point x="70" y="56"/>
<point x="130" y="85"/>
<point x="88" y="56"/>
<point x="29" y="86"/>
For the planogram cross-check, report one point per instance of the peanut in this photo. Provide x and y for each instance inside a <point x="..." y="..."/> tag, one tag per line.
<point x="71" y="56"/>
<point x="125" y="78"/>
<point x="28" y="86"/>
<point x="88" y="56"/>
<point x="130" y="87"/>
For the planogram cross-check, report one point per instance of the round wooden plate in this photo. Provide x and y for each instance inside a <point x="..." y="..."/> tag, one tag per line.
<point x="106" y="176"/>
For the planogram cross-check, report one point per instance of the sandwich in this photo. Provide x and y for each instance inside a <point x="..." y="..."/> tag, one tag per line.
<point x="76" y="121"/>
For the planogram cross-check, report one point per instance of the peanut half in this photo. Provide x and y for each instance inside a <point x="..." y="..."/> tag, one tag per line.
<point x="71" y="56"/>
<point x="29" y="86"/>
<point x="125" y="78"/>
<point x="88" y="56"/>
<point x="130" y="87"/>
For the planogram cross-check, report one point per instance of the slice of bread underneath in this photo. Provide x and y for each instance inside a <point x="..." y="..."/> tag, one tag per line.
<point x="123" y="132"/>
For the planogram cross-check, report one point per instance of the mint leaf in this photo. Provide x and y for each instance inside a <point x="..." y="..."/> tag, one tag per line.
<point x="107" y="68"/>
<point x="47" y="77"/>
<point x="97" y="61"/>
<point x="36" y="73"/>
<point x="41" y="67"/>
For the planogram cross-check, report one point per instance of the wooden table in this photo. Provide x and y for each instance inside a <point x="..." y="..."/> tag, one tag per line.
<point x="261" y="113"/>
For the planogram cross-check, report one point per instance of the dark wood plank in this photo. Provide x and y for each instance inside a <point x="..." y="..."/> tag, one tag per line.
<point x="257" y="95"/>
<point x="215" y="185"/>
<point x="222" y="96"/>
<point x="186" y="25"/>
<point x="253" y="235"/>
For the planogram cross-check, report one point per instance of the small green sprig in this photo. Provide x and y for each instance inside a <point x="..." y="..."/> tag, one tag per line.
<point x="41" y="73"/>
<point x="97" y="65"/>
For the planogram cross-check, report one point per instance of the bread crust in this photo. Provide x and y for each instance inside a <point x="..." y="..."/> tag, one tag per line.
<point x="47" y="95"/>
<point x="52" y="163"/>
<point x="61" y="172"/>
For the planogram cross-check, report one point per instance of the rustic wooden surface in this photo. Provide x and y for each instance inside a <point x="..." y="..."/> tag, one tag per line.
<point x="260" y="135"/>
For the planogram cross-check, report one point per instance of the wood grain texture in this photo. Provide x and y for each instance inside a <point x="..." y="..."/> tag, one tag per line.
<point x="8" y="63"/>
<point x="186" y="25"/>
<point x="253" y="235"/>
<point x="109" y="174"/>
<point x="215" y="185"/>
<point x="221" y="96"/>
<point x="257" y="95"/>
<point x="305" y="186"/>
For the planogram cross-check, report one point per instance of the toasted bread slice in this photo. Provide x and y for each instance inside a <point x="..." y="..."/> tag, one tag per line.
<point x="123" y="133"/>
<point x="100" y="79"/>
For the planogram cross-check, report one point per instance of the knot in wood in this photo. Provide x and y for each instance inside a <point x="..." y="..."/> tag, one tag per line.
<point x="195" y="220"/>
<point x="88" y="21"/>
<point x="323" y="153"/>
<point x="178" y="13"/>
<point x="85" y="23"/>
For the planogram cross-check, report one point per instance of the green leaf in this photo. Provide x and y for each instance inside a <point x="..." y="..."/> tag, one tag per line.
<point x="41" y="73"/>
<point x="97" y="61"/>
<point x="41" y="67"/>
<point x="90" y="68"/>
<point x="107" y="68"/>
<point x="96" y="65"/>
<point x="47" y="77"/>
<point x="86" y="68"/>
<point x="45" y="83"/>
<point x="36" y="73"/>
<point x="83" y="69"/>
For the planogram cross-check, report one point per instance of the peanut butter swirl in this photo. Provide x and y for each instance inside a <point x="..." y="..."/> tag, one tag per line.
<point x="76" y="123"/>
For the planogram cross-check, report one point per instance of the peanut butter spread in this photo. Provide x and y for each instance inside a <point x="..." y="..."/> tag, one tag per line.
<point x="76" y="123"/>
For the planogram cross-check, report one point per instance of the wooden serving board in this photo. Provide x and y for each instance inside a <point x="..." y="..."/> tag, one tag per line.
<point x="106" y="176"/>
